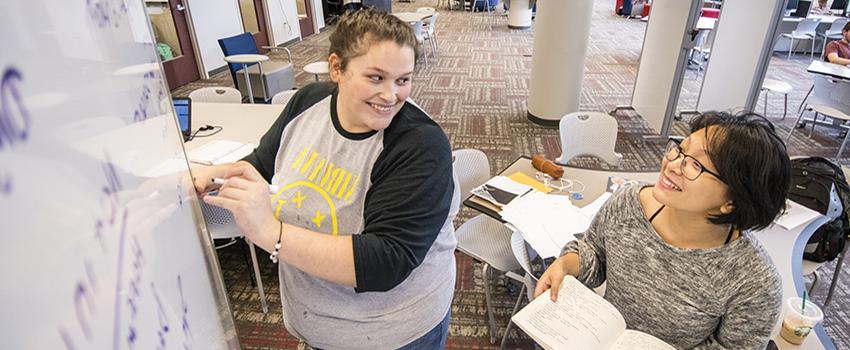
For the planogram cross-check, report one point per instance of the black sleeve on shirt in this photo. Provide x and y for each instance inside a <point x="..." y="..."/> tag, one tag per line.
<point x="263" y="157"/>
<point x="405" y="208"/>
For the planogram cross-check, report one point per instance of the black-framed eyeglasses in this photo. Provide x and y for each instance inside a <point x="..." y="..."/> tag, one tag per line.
<point x="691" y="167"/>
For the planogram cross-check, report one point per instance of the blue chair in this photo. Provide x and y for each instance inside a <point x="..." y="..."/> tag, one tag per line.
<point x="276" y="76"/>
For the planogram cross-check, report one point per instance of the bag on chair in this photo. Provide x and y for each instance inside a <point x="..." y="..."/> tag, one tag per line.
<point x="819" y="184"/>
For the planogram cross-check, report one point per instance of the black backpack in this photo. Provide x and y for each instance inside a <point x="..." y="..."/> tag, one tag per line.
<point x="819" y="184"/>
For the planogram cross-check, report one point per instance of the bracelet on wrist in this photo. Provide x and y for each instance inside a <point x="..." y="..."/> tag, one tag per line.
<point x="277" y="245"/>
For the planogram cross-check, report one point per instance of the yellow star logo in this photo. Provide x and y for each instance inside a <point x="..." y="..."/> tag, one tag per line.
<point x="298" y="199"/>
<point x="318" y="219"/>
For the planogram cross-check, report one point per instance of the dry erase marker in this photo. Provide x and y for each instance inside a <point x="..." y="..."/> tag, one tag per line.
<point x="219" y="181"/>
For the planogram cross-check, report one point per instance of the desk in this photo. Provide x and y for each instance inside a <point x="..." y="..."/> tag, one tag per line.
<point x="829" y="69"/>
<point x="785" y="247"/>
<point x="240" y="122"/>
<point x="245" y="60"/>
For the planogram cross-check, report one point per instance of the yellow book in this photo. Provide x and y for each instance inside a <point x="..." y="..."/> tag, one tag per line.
<point x="530" y="181"/>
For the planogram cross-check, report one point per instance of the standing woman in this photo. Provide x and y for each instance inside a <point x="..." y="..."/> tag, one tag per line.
<point x="362" y="223"/>
<point x="679" y="257"/>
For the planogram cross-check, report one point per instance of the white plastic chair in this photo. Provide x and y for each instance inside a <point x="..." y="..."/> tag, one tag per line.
<point x="482" y="238"/>
<point x="703" y="47"/>
<point x="834" y="32"/>
<point x="430" y="33"/>
<point x="420" y="38"/>
<point x="216" y="94"/>
<point x="828" y="98"/>
<point x="806" y="30"/>
<point x="779" y="87"/>
<point x="588" y="134"/>
<point x="220" y="225"/>
<point x="283" y="97"/>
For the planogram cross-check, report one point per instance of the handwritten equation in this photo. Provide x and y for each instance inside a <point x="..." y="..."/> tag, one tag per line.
<point x="151" y="87"/>
<point x="118" y="244"/>
<point x="15" y="121"/>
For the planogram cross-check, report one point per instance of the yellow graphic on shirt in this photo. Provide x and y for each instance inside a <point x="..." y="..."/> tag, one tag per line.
<point x="300" y="197"/>
<point x="319" y="170"/>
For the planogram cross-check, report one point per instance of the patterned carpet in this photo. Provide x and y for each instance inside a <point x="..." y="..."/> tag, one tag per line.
<point x="476" y="88"/>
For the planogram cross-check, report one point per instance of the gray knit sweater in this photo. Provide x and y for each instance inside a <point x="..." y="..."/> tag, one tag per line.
<point x="727" y="297"/>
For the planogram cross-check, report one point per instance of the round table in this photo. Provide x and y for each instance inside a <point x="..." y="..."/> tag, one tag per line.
<point x="317" y="68"/>
<point x="245" y="60"/>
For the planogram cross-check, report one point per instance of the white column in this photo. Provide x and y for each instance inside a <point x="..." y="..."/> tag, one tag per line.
<point x="557" y="67"/>
<point x="519" y="14"/>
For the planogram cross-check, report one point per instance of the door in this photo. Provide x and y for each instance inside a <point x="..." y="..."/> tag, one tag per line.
<point x="305" y="17"/>
<point x="173" y="42"/>
<point x="254" y="21"/>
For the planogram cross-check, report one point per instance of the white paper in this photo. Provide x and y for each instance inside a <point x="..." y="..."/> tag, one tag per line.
<point x="547" y="222"/>
<point x="638" y="340"/>
<point x="220" y="152"/>
<point x="795" y="215"/>
<point x="579" y="320"/>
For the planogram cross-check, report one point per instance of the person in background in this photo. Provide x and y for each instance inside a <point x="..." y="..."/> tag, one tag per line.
<point x="838" y="51"/>
<point x="821" y="7"/>
<point x="679" y="258"/>
<point x="362" y="223"/>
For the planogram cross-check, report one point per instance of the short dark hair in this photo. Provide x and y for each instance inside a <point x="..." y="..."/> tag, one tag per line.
<point x="846" y="27"/>
<point x="753" y="162"/>
<point x="357" y="30"/>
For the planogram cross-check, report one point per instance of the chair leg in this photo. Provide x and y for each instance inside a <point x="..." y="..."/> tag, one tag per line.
<point x="510" y="323"/>
<point x="790" y="48"/>
<point x="485" y="274"/>
<point x="840" y="149"/>
<point x="785" y="111"/>
<point x="814" y="122"/>
<point x="259" y="279"/>
<point x="835" y="276"/>
<point x="805" y="98"/>
<point x="813" y="49"/>
<point x="799" y="116"/>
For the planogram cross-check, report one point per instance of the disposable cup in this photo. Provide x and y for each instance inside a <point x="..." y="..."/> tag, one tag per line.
<point x="797" y="322"/>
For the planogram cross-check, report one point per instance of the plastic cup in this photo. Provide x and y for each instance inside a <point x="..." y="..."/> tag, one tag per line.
<point x="797" y="323"/>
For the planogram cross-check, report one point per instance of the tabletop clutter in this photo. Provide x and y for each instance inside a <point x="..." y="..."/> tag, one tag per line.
<point x="540" y="208"/>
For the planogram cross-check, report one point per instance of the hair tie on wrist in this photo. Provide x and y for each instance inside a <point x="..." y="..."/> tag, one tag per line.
<point x="277" y="245"/>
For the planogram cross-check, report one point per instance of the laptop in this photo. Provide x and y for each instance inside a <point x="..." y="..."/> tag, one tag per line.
<point x="802" y="9"/>
<point x="183" y="108"/>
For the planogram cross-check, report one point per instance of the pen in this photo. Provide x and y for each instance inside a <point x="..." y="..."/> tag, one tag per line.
<point x="219" y="181"/>
<point x="200" y="161"/>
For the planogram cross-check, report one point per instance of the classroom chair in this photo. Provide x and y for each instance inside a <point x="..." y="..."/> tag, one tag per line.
<point x="588" y="134"/>
<point x="216" y="94"/>
<point x="834" y="33"/>
<point x="806" y="30"/>
<point x="482" y="238"/>
<point x="826" y="99"/>
<point x="276" y="76"/>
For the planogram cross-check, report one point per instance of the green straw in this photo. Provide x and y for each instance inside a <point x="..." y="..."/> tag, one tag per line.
<point x="803" y="309"/>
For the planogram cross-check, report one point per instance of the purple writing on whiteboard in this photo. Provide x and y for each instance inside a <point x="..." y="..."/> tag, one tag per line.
<point x="187" y="333"/>
<point x="106" y="13"/>
<point x="14" y="117"/>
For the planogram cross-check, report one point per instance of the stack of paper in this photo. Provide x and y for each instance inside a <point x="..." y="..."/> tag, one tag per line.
<point x="548" y="222"/>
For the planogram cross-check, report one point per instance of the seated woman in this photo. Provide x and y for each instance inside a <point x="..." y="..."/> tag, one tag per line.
<point x="679" y="257"/>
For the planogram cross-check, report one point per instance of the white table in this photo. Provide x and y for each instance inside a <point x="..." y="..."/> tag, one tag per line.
<point x="829" y="69"/>
<point x="317" y="68"/>
<point x="411" y="16"/>
<point x="785" y="247"/>
<point x="240" y="122"/>
<point x="245" y="60"/>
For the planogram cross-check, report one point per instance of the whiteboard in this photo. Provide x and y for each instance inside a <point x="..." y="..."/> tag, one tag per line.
<point x="95" y="254"/>
<point x="662" y="61"/>
<point x="740" y="54"/>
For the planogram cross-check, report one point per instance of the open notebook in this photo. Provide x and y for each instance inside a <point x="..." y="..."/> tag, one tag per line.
<point x="580" y="319"/>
